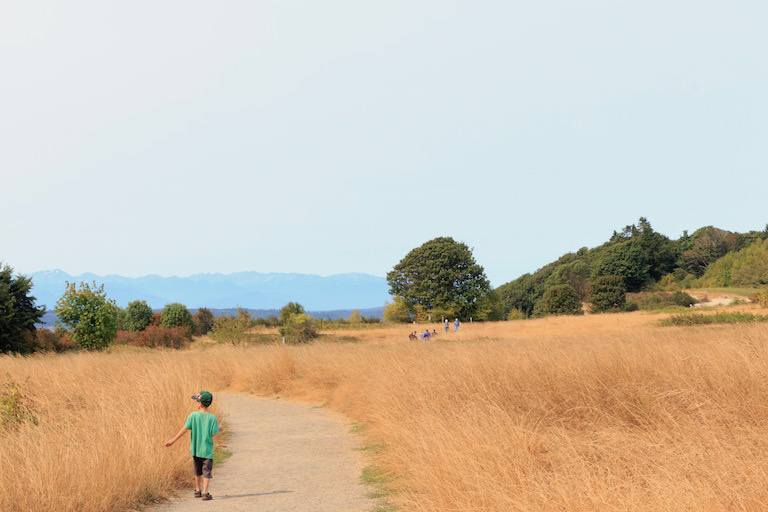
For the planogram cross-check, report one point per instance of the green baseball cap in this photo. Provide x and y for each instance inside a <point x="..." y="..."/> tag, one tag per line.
<point x="204" y="398"/>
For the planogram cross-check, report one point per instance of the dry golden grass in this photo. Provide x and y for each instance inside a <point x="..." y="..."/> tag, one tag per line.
<point x="602" y="412"/>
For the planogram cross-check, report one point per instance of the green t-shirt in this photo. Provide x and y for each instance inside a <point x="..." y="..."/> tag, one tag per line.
<point x="203" y="425"/>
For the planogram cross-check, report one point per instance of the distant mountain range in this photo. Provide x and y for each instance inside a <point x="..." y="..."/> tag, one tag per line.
<point x="250" y="290"/>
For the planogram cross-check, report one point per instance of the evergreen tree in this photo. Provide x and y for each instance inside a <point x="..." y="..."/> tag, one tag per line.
<point x="18" y="313"/>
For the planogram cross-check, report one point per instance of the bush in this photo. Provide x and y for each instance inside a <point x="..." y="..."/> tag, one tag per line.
<point x="761" y="297"/>
<point x="299" y="329"/>
<point x="45" y="340"/>
<point x="290" y="309"/>
<point x="272" y="321"/>
<point x="177" y="315"/>
<point x="689" y="319"/>
<point x="561" y="299"/>
<point x="232" y="329"/>
<point x="397" y="312"/>
<point x="607" y="293"/>
<point x="204" y="320"/>
<point x="660" y="300"/>
<point x="15" y="408"/>
<point x="154" y="336"/>
<point x="683" y="299"/>
<point x="90" y="316"/>
<point x="138" y="315"/>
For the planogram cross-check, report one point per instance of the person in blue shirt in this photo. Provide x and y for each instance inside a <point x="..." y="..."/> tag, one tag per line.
<point x="456" y="325"/>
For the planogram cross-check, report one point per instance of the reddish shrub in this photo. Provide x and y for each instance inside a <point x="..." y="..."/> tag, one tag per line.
<point x="154" y="336"/>
<point x="45" y="340"/>
<point x="125" y="338"/>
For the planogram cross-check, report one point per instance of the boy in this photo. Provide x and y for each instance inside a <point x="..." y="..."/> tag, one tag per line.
<point x="203" y="426"/>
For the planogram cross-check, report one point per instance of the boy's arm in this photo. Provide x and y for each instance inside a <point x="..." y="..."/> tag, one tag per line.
<point x="177" y="437"/>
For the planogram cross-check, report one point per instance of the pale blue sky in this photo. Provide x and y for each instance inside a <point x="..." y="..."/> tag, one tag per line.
<point x="320" y="137"/>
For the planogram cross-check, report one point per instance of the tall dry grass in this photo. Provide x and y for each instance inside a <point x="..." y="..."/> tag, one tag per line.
<point x="604" y="412"/>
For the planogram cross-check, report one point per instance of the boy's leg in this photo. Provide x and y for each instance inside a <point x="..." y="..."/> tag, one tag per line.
<point x="197" y="482"/>
<point x="198" y="464"/>
<point x="207" y="475"/>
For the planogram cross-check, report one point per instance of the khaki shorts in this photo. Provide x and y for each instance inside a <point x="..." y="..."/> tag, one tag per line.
<point x="203" y="467"/>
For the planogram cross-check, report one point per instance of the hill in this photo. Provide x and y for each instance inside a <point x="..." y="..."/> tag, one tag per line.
<point x="646" y="260"/>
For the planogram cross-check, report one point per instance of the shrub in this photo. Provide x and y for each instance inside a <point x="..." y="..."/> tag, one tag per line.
<point x="561" y="299"/>
<point x="138" y="315"/>
<point x="232" y="329"/>
<point x="299" y="329"/>
<point x="125" y="338"/>
<point x="761" y="297"/>
<point x="271" y="321"/>
<point x="15" y="408"/>
<point x="162" y="337"/>
<point x="607" y="293"/>
<point x="689" y="319"/>
<point x="90" y="316"/>
<point x="204" y="320"/>
<point x="45" y="340"/>
<point x="397" y="311"/>
<point x="290" y="309"/>
<point x="515" y="314"/>
<point x="177" y="315"/>
<point x="683" y="299"/>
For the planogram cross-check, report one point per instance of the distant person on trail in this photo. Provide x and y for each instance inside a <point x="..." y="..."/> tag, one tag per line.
<point x="456" y="325"/>
<point x="203" y="426"/>
<point x="426" y="334"/>
<point x="446" y="325"/>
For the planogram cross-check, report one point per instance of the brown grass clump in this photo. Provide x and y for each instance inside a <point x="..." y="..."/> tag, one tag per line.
<point x="602" y="412"/>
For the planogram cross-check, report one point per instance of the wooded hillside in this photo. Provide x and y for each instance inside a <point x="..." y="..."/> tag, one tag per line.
<point x="647" y="260"/>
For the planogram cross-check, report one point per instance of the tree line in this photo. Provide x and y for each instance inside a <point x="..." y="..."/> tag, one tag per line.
<point x="440" y="279"/>
<point x="437" y="280"/>
<point x="637" y="258"/>
<point x="88" y="319"/>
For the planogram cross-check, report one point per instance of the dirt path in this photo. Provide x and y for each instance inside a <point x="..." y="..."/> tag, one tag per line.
<point x="286" y="457"/>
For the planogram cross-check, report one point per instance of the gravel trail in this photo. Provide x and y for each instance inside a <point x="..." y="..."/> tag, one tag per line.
<point x="286" y="457"/>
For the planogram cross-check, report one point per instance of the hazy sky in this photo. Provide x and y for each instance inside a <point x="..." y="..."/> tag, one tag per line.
<point x="327" y="137"/>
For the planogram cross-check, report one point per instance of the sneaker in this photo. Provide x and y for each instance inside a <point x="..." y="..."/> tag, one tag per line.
<point x="207" y="496"/>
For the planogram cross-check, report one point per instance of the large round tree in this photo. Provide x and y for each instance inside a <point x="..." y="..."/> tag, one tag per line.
<point x="440" y="276"/>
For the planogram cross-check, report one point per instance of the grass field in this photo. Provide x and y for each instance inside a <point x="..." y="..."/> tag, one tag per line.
<point x="601" y="412"/>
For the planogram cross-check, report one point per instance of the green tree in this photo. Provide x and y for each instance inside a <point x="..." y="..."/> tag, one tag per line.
<point x="138" y="315"/>
<point x="18" y="313"/>
<point x="561" y="299"/>
<point x="706" y="246"/>
<point x="204" y="320"/>
<point x="607" y="293"/>
<point x="88" y="314"/>
<point x="290" y="309"/>
<point x="490" y="307"/>
<point x="299" y="328"/>
<point x="177" y="315"/>
<point x="439" y="275"/>
<point x="626" y="259"/>
<point x="232" y="329"/>
<point x="397" y="311"/>
<point x="747" y="268"/>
